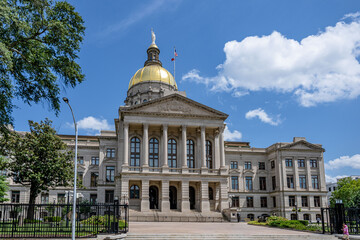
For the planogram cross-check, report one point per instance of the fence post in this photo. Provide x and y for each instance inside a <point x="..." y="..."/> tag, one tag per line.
<point x="322" y="220"/>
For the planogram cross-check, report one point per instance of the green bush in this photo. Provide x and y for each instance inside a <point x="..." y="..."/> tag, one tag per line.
<point x="32" y="221"/>
<point x="102" y="220"/>
<point x="52" y="219"/>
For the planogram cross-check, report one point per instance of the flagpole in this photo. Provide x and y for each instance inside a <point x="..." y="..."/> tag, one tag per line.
<point x="174" y="63"/>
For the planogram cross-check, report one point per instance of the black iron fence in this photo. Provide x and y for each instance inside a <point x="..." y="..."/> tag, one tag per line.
<point x="55" y="220"/>
<point x="333" y="219"/>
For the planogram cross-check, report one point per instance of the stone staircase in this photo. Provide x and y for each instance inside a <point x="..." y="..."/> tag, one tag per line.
<point x="134" y="236"/>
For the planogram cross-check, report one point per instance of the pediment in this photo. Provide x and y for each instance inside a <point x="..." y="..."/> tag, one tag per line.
<point x="302" y="145"/>
<point x="175" y="104"/>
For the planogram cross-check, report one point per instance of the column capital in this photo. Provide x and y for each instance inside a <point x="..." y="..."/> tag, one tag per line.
<point x="145" y="125"/>
<point x="165" y="127"/>
<point x="126" y="124"/>
<point x="183" y="127"/>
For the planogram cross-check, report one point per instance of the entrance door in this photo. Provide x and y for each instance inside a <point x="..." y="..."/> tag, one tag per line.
<point x="173" y="197"/>
<point x="192" y="197"/>
<point x="154" y="197"/>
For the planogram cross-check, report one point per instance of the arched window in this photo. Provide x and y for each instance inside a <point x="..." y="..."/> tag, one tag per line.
<point x="172" y="153"/>
<point x="134" y="192"/>
<point x="293" y="216"/>
<point x="209" y="162"/>
<point x="251" y="217"/>
<point x="211" y="193"/>
<point x="145" y="100"/>
<point x="190" y="153"/>
<point x="306" y="217"/>
<point x="154" y="152"/>
<point x="135" y="152"/>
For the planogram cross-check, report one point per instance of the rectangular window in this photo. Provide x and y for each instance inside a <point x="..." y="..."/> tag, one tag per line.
<point x="274" y="202"/>
<point x="288" y="162"/>
<point x="304" y="201"/>
<point x="262" y="181"/>
<point x="250" y="201"/>
<point x="313" y="163"/>
<point x="291" y="201"/>
<point x="315" y="182"/>
<point x="80" y="177"/>
<point x="261" y="165"/>
<point x="273" y="179"/>
<point x="234" y="183"/>
<point x="61" y="198"/>
<point x="316" y="201"/>
<point x="234" y="165"/>
<point x="110" y="152"/>
<point x="272" y="164"/>
<point x="15" y="196"/>
<point x="249" y="183"/>
<point x="302" y="181"/>
<point x="94" y="160"/>
<point x="109" y="196"/>
<point x="247" y="165"/>
<point x="44" y="198"/>
<point x="263" y="202"/>
<point x="110" y="173"/>
<point x="301" y="163"/>
<point x="93" y="198"/>
<point x="80" y="160"/>
<point x="290" y="181"/>
<point x="235" y="202"/>
<point x="94" y="179"/>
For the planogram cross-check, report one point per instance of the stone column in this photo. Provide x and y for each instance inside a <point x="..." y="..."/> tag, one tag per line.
<point x="223" y="196"/>
<point x="183" y="148"/>
<point x="145" y="204"/>
<point x="322" y="181"/>
<point x="203" y="150"/>
<point x="308" y="175"/>
<point x="205" y="202"/>
<point x="124" y="190"/>
<point x="216" y="153"/>
<point x="165" y="201"/>
<point x="296" y="177"/>
<point x="126" y="145"/>
<point x="165" y="147"/>
<point x="185" y="202"/>
<point x="145" y="162"/>
<point x="222" y="152"/>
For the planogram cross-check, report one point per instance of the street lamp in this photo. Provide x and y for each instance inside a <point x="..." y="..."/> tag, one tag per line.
<point x="75" y="171"/>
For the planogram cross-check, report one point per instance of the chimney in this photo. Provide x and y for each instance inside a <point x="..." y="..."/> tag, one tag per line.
<point x="296" y="139"/>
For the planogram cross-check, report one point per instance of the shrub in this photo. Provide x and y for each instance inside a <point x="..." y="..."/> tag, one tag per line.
<point x="32" y="221"/>
<point x="52" y="219"/>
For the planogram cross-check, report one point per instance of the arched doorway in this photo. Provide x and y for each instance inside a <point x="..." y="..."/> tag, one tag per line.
<point x="173" y="197"/>
<point x="192" y="197"/>
<point x="154" y="197"/>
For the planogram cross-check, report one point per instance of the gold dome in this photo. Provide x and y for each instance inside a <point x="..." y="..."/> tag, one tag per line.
<point x="153" y="73"/>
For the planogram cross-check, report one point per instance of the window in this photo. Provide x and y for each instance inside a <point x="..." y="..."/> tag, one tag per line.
<point x="306" y="217"/>
<point x="274" y="202"/>
<point x="329" y="189"/>
<point x="288" y="162"/>
<point x="291" y="201"/>
<point x="263" y="202"/>
<point x="93" y="198"/>
<point x="249" y="201"/>
<point x="334" y="188"/>
<point x="110" y="152"/>
<point x="235" y="202"/>
<point x="262" y="182"/>
<point x="208" y="149"/>
<point x="135" y="152"/>
<point x="235" y="183"/>
<point x="94" y="160"/>
<point x="172" y="153"/>
<point x="304" y="201"/>
<point x="94" y="179"/>
<point x="211" y="193"/>
<point x="302" y="180"/>
<point x="190" y="149"/>
<point x="315" y="182"/>
<point x="273" y="180"/>
<point x="134" y="192"/>
<point x="44" y="198"/>
<point x="247" y="165"/>
<point x="301" y="163"/>
<point x="293" y="216"/>
<point x="313" y="163"/>
<point x="261" y="165"/>
<point x="109" y="196"/>
<point x="61" y="198"/>
<point x="290" y="181"/>
<point x="80" y="176"/>
<point x="154" y="152"/>
<point x="272" y="164"/>
<point x="249" y="183"/>
<point x="80" y="160"/>
<point x="251" y="217"/>
<point x="316" y="201"/>
<point x="110" y="173"/>
<point x="233" y="164"/>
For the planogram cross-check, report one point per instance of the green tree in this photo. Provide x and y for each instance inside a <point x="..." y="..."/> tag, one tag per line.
<point x="38" y="159"/>
<point x="348" y="190"/>
<point x="39" y="43"/>
<point x="3" y="183"/>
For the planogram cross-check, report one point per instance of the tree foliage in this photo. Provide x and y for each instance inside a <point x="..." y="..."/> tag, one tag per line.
<point x="39" y="43"/>
<point x="3" y="183"/>
<point x="348" y="190"/>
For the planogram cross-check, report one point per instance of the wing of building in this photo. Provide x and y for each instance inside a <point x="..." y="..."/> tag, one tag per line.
<point x="168" y="159"/>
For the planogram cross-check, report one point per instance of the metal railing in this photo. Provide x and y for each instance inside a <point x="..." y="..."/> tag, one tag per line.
<point x="54" y="220"/>
<point x="333" y="218"/>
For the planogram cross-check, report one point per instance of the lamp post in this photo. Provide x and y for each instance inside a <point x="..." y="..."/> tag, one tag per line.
<point x="75" y="171"/>
<point x="296" y="211"/>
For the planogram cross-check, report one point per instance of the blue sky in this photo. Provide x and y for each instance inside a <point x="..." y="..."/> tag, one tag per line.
<point x="279" y="68"/>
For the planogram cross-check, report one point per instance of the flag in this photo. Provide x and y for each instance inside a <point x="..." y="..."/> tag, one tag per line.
<point x="175" y="55"/>
<point x="173" y="59"/>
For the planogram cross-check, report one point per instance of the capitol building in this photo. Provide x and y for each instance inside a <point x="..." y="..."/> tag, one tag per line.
<point x="168" y="159"/>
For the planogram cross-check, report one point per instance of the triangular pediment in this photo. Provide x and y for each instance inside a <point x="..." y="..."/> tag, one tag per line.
<point x="175" y="104"/>
<point x="302" y="145"/>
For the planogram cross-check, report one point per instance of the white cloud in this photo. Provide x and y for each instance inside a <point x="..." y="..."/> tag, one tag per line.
<point x="263" y="116"/>
<point x="330" y="179"/>
<point x="319" y="68"/>
<point x="231" y="136"/>
<point x="93" y="124"/>
<point x="344" y="161"/>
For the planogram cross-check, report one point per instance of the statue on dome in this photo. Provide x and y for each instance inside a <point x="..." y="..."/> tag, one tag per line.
<point x="153" y="37"/>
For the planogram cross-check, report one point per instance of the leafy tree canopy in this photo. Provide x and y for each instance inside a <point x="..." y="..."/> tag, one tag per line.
<point x="39" y="43"/>
<point x="3" y="183"/>
<point x="348" y="191"/>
